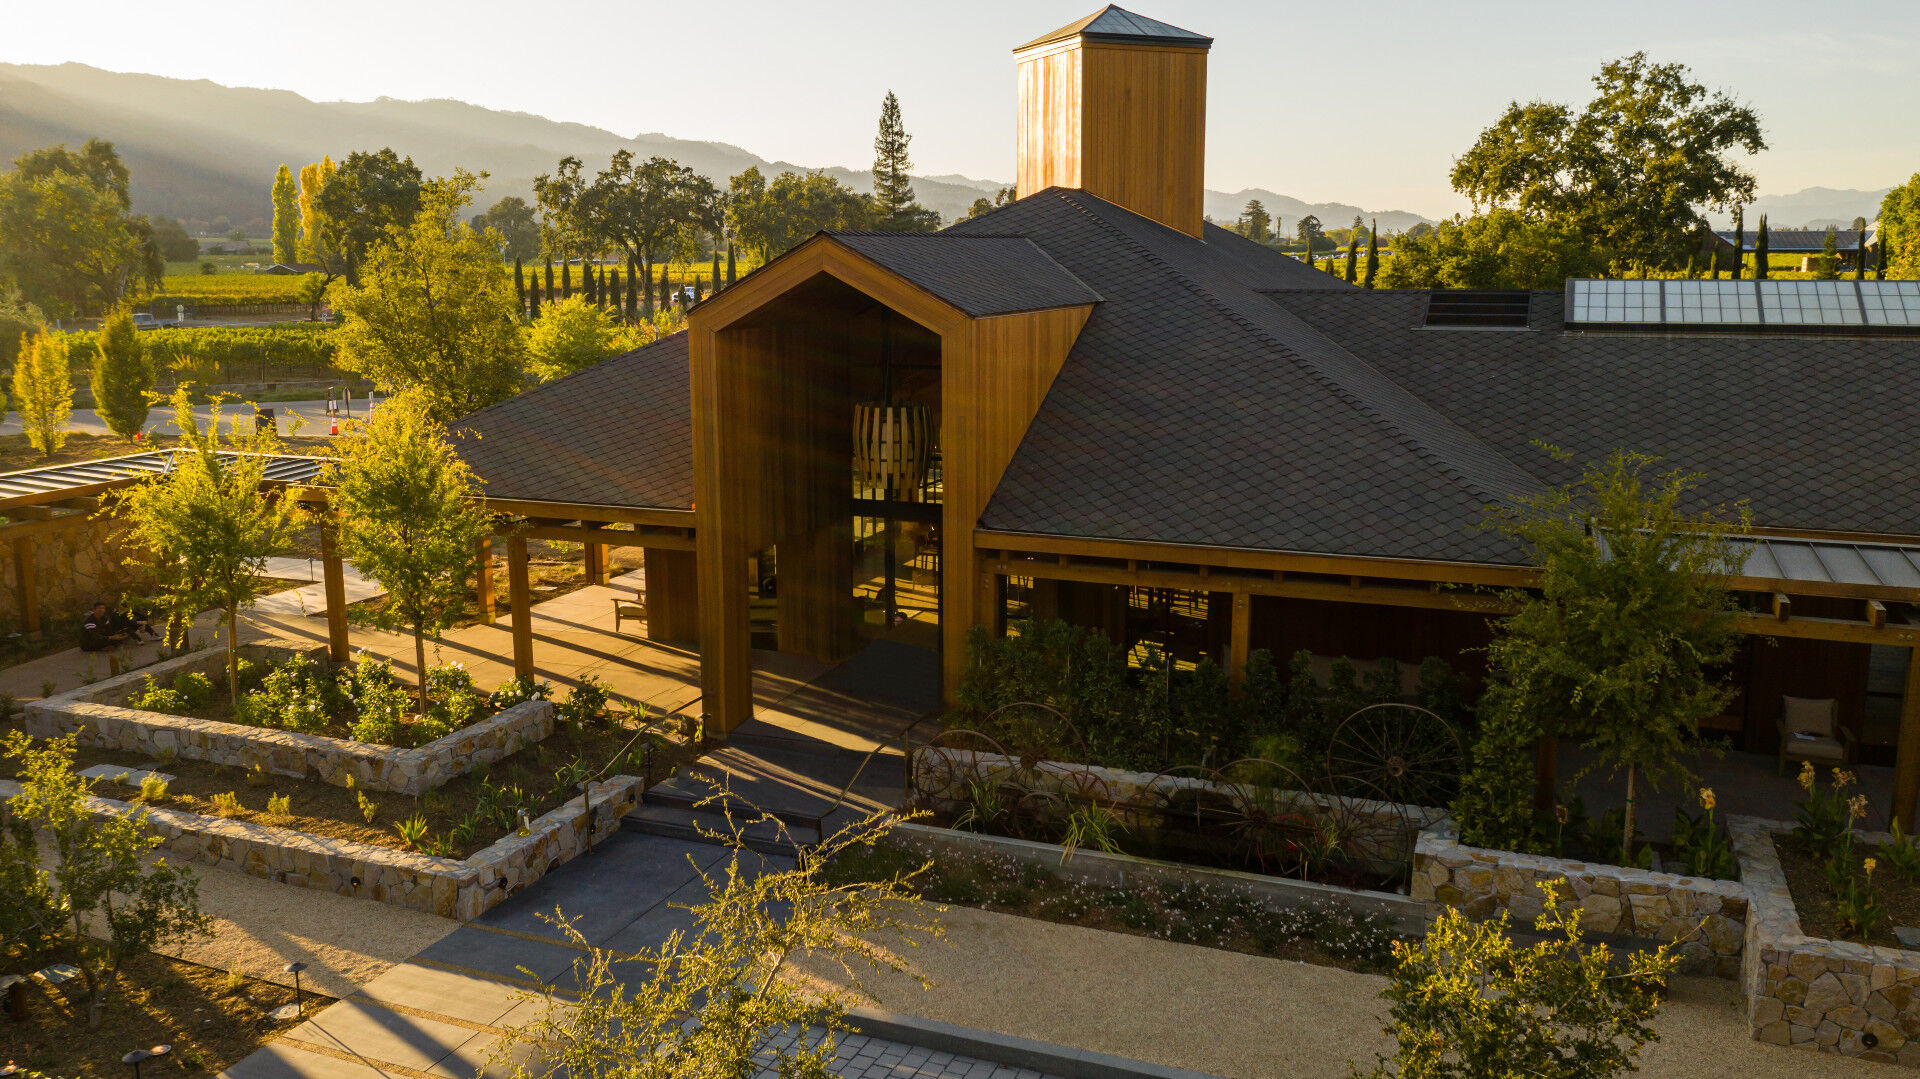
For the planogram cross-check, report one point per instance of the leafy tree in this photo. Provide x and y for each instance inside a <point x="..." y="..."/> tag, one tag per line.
<point x="211" y="522"/>
<point x="19" y="320"/>
<point x="173" y="242"/>
<point x="100" y="879"/>
<point x="1468" y="1002"/>
<point x="435" y="311"/>
<point x="894" y="206"/>
<point x="368" y="196"/>
<point x="1632" y="171"/>
<point x="410" y="519"/>
<point x="286" y="218"/>
<point x="1900" y="230"/>
<point x="713" y="1000"/>
<point x="312" y="291"/>
<point x="771" y="218"/>
<point x="1617" y="646"/>
<point x="43" y="391"/>
<point x="563" y="227"/>
<point x="1254" y="221"/>
<point x="571" y="335"/>
<point x="1496" y="249"/>
<point x="316" y="245"/>
<point x="516" y="223"/>
<point x="67" y="238"/>
<point x="645" y="208"/>
<point x="1760" y="251"/>
<point x="1310" y="233"/>
<point x="122" y="376"/>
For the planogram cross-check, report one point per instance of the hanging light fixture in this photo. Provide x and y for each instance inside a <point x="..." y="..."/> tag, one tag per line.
<point x="891" y="446"/>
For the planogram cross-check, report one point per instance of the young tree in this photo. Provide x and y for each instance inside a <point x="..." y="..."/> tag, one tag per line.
<point x="43" y="392"/>
<point x="211" y="523"/>
<point x="711" y="1001"/>
<point x="1373" y="253"/>
<point x="1859" y="249"/>
<point x="894" y="206"/>
<point x="1468" y="1002"/>
<point x="434" y="311"/>
<point x="122" y="376"/>
<point x="571" y="335"/>
<point x="286" y="218"/>
<point x="1739" y="240"/>
<point x="410" y="519"/>
<point x="1826" y="267"/>
<point x="1760" y="251"/>
<point x="100" y="881"/>
<point x="1617" y="646"/>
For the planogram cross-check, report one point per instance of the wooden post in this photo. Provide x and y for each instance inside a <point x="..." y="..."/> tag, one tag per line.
<point x="334" y="573"/>
<point x="597" y="563"/>
<point x="25" y="575"/>
<point x="1238" y="636"/>
<point x="672" y="596"/>
<point x="1546" y="772"/>
<point x="1906" y="767"/>
<point x="483" y="580"/>
<point x="520" y="595"/>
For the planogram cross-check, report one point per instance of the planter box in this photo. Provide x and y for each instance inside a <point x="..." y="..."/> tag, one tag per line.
<point x="1832" y="995"/>
<point x="449" y="887"/>
<point x="99" y="717"/>
<point x="1118" y="870"/>
<point x="1611" y="899"/>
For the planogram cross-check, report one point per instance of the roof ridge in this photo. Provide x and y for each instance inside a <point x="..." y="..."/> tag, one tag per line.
<point x="1489" y="487"/>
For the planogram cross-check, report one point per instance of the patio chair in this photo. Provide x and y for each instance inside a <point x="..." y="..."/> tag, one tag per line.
<point x="1810" y="731"/>
<point x="634" y="609"/>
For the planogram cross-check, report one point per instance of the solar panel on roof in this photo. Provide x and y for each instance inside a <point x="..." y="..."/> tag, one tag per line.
<point x="1842" y="306"/>
<point x="1890" y="303"/>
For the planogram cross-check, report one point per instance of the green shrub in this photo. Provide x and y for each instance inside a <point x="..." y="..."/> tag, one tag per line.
<point x="518" y="690"/>
<point x="152" y="697"/>
<point x="452" y="700"/>
<point x="586" y="704"/>
<point x="194" y="688"/>
<point x="296" y="695"/>
<point x="379" y="702"/>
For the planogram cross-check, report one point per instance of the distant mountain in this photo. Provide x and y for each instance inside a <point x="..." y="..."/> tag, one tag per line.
<point x="1813" y="208"/>
<point x="1225" y="209"/>
<point x="200" y="151"/>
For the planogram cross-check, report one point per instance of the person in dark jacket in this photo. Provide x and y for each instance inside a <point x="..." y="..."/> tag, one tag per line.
<point x="101" y="629"/>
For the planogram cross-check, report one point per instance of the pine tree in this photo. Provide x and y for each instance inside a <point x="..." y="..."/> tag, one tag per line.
<point x="730" y="265"/>
<point x="122" y="375"/>
<point x="1760" y="251"/>
<point x="894" y="207"/>
<point x="520" y="283"/>
<point x="286" y="217"/>
<point x="1739" y="241"/>
<point x="1373" y="252"/>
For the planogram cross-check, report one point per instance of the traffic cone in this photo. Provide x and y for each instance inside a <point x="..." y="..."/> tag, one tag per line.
<point x="335" y="426"/>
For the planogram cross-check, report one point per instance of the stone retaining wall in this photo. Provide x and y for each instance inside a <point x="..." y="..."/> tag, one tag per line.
<point x="97" y="714"/>
<point x="451" y="888"/>
<point x="1712" y="914"/>
<point x="1833" y="995"/>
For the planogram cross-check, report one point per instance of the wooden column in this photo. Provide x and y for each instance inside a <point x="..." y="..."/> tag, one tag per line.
<point x="26" y="577"/>
<point x="1906" y="768"/>
<point x="1546" y="772"/>
<point x="483" y="580"/>
<point x="672" y="596"/>
<point x="520" y="595"/>
<point x="597" y="563"/>
<point x="1239" y="633"/>
<point x="334" y="573"/>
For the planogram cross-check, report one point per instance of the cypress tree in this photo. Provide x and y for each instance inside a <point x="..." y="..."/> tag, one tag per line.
<point x="1353" y="256"/>
<point x="1880" y="257"/>
<point x="666" y="290"/>
<point x="1760" y="251"/>
<point x="588" y="285"/>
<point x="533" y="299"/>
<point x="730" y="265"/>
<point x="1373" y="251"/>
<point x="697" y="281"/>
<point x="1860" y="249"/>
<point x="1739" y="240"/>
<point x="633" y="308"/>
<point x="1713" y="263"/>
<point x="549" y="293"/>
<point x="646" y="294"/>
<point x="566" y="279"/>
<point x="1691" y="273"/>
<point x="519" y="284"/>
<point x="716" y="269"/>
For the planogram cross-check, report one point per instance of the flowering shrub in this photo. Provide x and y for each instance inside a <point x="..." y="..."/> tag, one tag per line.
<point x="295" y="696"/>
<point x="518" y="690"/>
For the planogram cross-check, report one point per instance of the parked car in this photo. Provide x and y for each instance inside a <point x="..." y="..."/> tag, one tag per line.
<point x="144" y="321"/>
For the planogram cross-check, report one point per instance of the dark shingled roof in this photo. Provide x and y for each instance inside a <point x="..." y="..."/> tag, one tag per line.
<point x="1192" y="410"/>
<point x="1799" y="241"/>
<point x="1815" y="432"/>
<point x="619" y="433"/>
<point x="980" y="275"/>
<point x="1117" y="24"/>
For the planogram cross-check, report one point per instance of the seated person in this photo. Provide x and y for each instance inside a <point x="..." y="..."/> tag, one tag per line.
<point x="101" y="630"/>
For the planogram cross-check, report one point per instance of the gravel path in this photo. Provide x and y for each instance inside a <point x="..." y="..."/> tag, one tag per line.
<point x="1246" y="1016"/>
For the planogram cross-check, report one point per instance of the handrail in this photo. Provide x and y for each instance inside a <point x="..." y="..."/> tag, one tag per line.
<point x="906" y="753"/>
<point x="646" y="765"/>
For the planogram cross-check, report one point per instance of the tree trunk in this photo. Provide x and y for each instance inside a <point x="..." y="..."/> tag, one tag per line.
<point x="420" y="665"/>
<point x="1626" y="834"/>
<point x="233" y="654"/>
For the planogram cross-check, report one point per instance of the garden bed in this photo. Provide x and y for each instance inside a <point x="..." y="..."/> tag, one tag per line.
<point x="1813" y="992"/>
<point x="1129" y="895"/>
<point x="1814" y="901"/>
<point x="211" y="1018"/>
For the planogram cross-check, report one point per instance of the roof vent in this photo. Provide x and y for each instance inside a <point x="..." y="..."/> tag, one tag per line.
<point x="1479" y="308"/>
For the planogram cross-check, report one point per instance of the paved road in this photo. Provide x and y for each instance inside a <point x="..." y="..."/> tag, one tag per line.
<point x="160" y="421"/>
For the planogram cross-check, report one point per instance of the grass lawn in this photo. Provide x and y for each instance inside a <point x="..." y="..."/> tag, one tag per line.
<point x="211" y="1018"/>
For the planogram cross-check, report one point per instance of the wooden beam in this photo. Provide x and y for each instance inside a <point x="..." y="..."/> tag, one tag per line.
<point x="1383" y="594"/>
<point x="665" y="539"/>
<point x="1906" y="766"/>
<point x="26" y="578"/>
<point x="483" y="580"/>
<point x="334" y="574"/>
<point x="1239" y="636"/>
<point x="1828" y="629"/>
<point x="1782" y="606"/>
<point x="519" y="593"/>
<point x="580" y="511"/>
<point x="596" y="563"/>
<point x="1876" y="614"/>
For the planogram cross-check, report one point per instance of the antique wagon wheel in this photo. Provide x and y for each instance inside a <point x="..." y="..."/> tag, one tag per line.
<point x="1402" y="751"/>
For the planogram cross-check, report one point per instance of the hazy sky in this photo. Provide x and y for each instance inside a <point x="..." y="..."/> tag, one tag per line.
<point x="1361" y="103"/>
